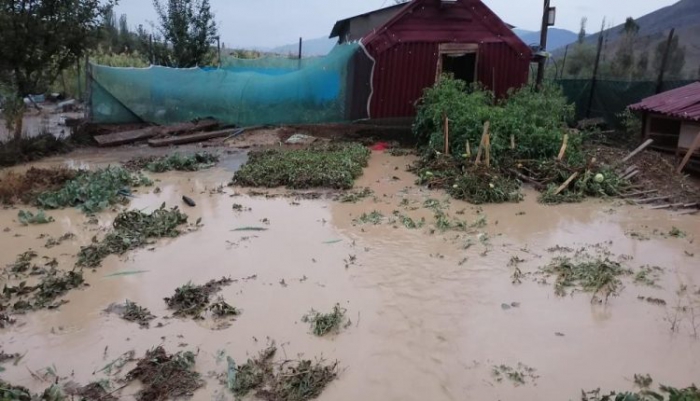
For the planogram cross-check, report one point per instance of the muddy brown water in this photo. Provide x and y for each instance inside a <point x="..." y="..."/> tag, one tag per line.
<point x="426" y="324"/>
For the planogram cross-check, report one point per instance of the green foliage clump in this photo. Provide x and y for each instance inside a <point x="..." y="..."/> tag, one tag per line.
<point x="665" y="393"/>
<point x="178" y="162"/>
<point x="331" y="166"/>
<point x="94" y="191"/>
<point x="26" y="218"/>
<point x="594" y="275"/>
<point x="324" y="323"/>
<point x="131" y="230"/>
<point x="536" y="119"/>
<point x="23" y="262"/>
<point x="584" y="186"/>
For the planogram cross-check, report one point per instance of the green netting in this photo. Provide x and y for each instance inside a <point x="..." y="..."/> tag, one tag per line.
<point x="610" y="97"/>
<point x="242" y="92"/>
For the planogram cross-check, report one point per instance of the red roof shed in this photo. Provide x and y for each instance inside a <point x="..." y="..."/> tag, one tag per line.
<point x="429" y="37"/>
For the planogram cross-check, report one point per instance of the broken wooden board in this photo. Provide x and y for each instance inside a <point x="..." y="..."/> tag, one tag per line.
<point x="123" y="138"/>
<point x="199" y="137"/>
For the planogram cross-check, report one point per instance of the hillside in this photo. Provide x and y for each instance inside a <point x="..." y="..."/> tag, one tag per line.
<point x="310" y="48"/>
<point x="654" y="28"/>
<point x="556" y="38"/>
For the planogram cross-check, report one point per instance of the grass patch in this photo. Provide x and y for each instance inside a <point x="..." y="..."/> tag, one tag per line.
<point x="25" y="187"/>
<point x="133" y="229"/>
<point x="94" y="191"/>
<point x="324" y="323"/>
<point x="289" y="381"/>
<point x="191" y="300"/>
<point x="330" y="166"/>
<point x="26" y="218"/>
<point x="165" y="376"/>
<point x="588" y="274"/>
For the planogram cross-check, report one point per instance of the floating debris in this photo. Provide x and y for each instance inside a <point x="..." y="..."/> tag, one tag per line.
<point x="586" y="273"/>
<point x="191" y="300"/>
<point x="324" y="323"/>
<point x="518" y="376"/>
<point x="52" y="242"/>
<point x="26" y="218"/>
<point x="166" y="376"/>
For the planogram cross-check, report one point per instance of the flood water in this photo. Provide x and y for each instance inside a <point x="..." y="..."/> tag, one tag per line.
<point x="428" y="320"/>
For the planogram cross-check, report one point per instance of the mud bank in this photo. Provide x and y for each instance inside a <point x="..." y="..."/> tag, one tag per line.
<point x="431" y="312"/>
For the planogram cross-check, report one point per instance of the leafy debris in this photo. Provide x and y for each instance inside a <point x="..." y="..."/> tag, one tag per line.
<point x="135" y="313"/>
<point x="324" y="323"/>
<point x="132" y="229"/>
<point x="518" y="376"/>
<point x="178" y="162"/>
<point x="23" y="262"/>
<point x="586" y="273"/>
<point x="166" y="376"/>
<point x="52" y="242"/>
<point x="26" y="218"/>
<point x="191" y="300"/>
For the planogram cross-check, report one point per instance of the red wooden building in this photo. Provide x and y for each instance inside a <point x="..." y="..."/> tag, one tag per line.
<point x="428" y="37"/>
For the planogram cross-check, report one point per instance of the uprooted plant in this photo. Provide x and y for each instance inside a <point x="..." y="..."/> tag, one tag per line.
<point x="53" y="284"/>
<point x="586" y="273"/>
<point x="132" y="312"/>
<point x="94" y="191"/>
<point x="166" y="376"/>
<point x="324" y="323"/>
<point x="333" y="166"/>
<point x="133" y="229"/>
<point x="191" y="300"/>
<point x="289" y="381"/>
<point x="494" y="145"/>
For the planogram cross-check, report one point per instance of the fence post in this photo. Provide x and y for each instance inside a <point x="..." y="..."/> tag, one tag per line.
<point x="595" y="75"/>
<point x="664" y="62"/>
<point x="563" y="64"/>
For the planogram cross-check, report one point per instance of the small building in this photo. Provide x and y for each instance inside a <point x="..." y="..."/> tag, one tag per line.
<point x="672" y="120"/>
<point x="412" y="44"/>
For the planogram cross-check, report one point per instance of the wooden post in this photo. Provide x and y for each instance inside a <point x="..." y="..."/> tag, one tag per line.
<point x="566" y="183"/>
<point x="543" y="44"/>
<point x="481" y="145"/>
<point x="469" y="150"/>
<point x="664" y="62"/>
<point x="218" y="47"/>
<point x="639" y="149"/>
<point x="564" y="144"/>
<point x="447" y="134"/>
<point x="693" y="148"/>
<point x="563" y="64"/>
<point x="595" y="75"/>
<point x="512" y="141"/>
<point x="300" y="48"/>
<point x="487" y="148"/>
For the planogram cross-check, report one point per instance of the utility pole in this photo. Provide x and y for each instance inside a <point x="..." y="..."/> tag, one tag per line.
<point x="664" y="62"/>
<point x="543" y="43"/>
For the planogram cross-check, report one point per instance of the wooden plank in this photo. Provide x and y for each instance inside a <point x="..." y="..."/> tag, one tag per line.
<point x="481" y="144"/>
<point x="667" y="206"/>
<point x="564" y="144"/>
<point x="447" y="136"/>
<point x="487" y="149"/>
<point x="629" y="170"/>
<point x="650" y="200"/>
<point x="693" y="148"/>
<point x="631" y="175"/>
<point x="566" y="183"/>
<point x="199" y="137"/>
<point x="638" y="150"/>
<point x="122" y="138"/>
<point x="640" y="193"/>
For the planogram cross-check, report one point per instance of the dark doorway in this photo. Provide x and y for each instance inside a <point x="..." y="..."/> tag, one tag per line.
<point x="462" y="66"/>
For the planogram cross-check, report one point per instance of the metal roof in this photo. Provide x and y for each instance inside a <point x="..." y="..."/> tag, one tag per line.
<point x="683" y="103"/>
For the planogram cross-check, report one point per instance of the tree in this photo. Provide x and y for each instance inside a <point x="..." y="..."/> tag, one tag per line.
<point x="676" y="58"/>
<point x="40" y="38"/>
<point x="188" y="27"/>
<point x="582" y="31"/>
<point x="623" y="60"/>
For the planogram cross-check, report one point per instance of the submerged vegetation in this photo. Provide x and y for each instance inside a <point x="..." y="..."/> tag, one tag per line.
<point x="131" y="230"/>
<point x="586" y="273"/>
<point x="191" y="300"/>
<point x="177" y="162"/>
<point x="166" y="376"/>
<point x="494" y="145"/>
<point x="94" y="191"/>
<point x="289" y="381"/>
<point x="333" y="166"/>
<point x="324" y="323"/>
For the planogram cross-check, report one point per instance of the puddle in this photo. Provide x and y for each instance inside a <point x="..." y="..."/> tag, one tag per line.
<point x="426" y="324"/>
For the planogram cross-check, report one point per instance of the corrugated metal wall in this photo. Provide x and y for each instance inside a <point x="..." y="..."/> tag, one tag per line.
<point x="406" y="52"/>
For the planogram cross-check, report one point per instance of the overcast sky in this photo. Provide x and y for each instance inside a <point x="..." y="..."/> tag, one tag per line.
<point x="269" y="23"/>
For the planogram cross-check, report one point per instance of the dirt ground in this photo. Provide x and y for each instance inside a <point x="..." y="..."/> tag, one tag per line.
<point x="431" y="314"/>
